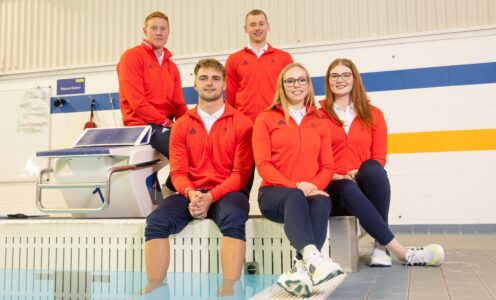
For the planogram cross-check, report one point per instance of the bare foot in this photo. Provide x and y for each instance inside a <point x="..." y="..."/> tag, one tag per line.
<point x="150" y="287"/>
<point x="226" y="288"/>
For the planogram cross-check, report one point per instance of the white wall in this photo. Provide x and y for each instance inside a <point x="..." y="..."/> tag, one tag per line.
<point x="446" y="187"/>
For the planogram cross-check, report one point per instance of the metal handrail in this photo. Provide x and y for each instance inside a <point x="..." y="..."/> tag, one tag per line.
<point x="106" y="200"/>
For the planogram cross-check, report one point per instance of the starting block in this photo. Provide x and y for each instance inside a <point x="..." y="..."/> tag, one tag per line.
<point x="105" y="164"/>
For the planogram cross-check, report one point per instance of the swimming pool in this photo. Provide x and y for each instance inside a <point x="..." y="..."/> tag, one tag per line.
<point x="61" y="258"/>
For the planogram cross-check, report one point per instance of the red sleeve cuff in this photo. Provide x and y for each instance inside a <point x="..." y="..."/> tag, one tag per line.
<point x="215" y="195"/>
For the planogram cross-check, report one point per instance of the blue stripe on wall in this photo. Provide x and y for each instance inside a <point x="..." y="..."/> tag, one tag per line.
<point x="422" y="78"/>
<point x="82" y="103"/>
<point x="190" y="95"/>
<point x="482" y="73"/>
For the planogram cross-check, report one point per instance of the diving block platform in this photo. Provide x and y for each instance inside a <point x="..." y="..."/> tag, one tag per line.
<point x="108" y="173"/>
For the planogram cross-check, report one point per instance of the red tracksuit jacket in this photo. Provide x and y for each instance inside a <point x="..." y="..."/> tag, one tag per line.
<point x="251" y="81"/>
<point x="360" y="144"/>
<point x="149" y="93"/>
<point x="220" y="161"/>
<point x="287" y="153"/>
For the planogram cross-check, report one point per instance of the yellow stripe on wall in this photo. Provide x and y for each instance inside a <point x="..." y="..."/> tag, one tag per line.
<point x="442" y="141"/>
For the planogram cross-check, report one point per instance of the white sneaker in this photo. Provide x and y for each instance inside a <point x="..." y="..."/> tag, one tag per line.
<point x="380" y="258"/>
<point x="322" y="269"/>
<point x="297" y="281"/>
<point x="430" y="255"/>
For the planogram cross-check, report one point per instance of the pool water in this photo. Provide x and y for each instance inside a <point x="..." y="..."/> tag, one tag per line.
<point x="70" y="284"/>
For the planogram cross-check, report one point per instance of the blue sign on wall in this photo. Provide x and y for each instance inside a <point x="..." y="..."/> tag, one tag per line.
<point x="70" y="86"/>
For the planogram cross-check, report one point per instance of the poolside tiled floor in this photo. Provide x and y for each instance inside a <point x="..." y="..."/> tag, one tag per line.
<point x="469" y="270"/>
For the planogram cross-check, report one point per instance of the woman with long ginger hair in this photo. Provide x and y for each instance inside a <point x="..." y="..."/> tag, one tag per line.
<point x="292" y="150"/>
<point x="360" y="185"/>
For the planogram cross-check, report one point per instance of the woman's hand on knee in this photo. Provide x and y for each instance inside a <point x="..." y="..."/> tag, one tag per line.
<point x="352" y="174"/>
<point x="318" y="193"/>
<point x="306" y="187"/>
<point x="341" y="177"/>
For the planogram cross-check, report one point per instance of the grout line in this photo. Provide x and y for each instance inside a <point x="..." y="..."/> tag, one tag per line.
<point x="492" y="260"/>
<point x="409" y="292"/>
<point x="445" y="282"/>
<point x="488" y="291"/>
<point x="374" y="283"/>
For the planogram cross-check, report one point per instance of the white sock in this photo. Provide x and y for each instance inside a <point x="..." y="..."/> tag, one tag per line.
<point x="309" y="251"/>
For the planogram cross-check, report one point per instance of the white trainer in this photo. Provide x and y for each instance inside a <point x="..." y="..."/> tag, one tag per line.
<point x="430" y="255"/>
<point x="322" y="269"/>
<point x="297" y="281"/>
<point x="380" y="258"/>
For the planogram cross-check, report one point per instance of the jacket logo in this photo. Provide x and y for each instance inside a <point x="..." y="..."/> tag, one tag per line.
<point x="224" y="132"/>
<point x="324" y="117"/>
<point x="149" y="66"/>
<point x="273" y="61"/>
<point x="192" y="131"/>
<point x="244" y="63"/>
<point x="313" y="125"/>
<point x="281" y="123"/>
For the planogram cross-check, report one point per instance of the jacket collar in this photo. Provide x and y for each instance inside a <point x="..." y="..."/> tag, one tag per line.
<point x="149" y="48"/>
<point x="228" y="111"/>
<point x="310" y="109"/>
<point x="269" y="49"/>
